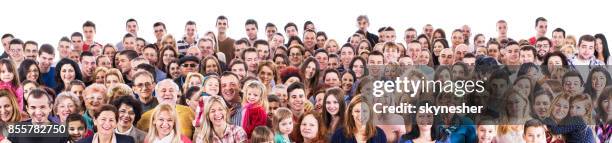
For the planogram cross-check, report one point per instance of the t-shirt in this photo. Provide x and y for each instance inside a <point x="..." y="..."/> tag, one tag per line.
<point x="227" y="47"/>
<point x="49" y="78"/>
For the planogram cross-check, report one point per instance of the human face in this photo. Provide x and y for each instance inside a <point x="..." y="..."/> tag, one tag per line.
<point x="457" y="38"/>
<point x="263" y="51"/>
<point x="106" y="122"/>
<point x="109" y="51"/>
<point x="363" y="24"/>
<point x="321" y="41"/>
<point x="502" y="29"/>
<point x="132" y="27"/>
<point x="296" y="99"/>
<point x="88" y="65"/>
<point x="266" y="75"/>
<point x="286" y="126"/>
<point x="253" y="95"/>
<point x="358" y="68"/>
<point x="190" y="30"/>
<point x="239" y="70"/>
<point x="586" y="49"/>
<point x="77" y="90"/>
<point x="222" y="25"/>
<point x="332" y="106"/>
<point x="174" y="70"/>
<point x="560" y="109"/>
<point x="104" y="61"/>
<point x="543" y="47"/>
<point x="523" y="86"/>
<point x="347" y="82"/>
<point x="486" y="133"/>
<point x="346" y="55"/>
<point x="309" y="40"/>
<point x="111" y="80"/>
<point x="168" y="56"/>
<point x="291" y="31"/>
<point x="446" y="57"/>
<point x="542" y="105"/>
<point x="94" y="101"/>
<point x="332" y="47"/>
<point x="89" y="33"/>
<point x="424" y="121"/>
<point x="423" y="58"/>
<point x="526" y="56"/>
<point x="206" y="48"/>
<point x="143" y="86"/>
<point x="188" y="67"/>
<point x="212" y="86"/>
<point x="31" y="51"/>
<point x="5" y="42"/>
<point x="516" y="106"/>
<point x="310" y="70"/>
<point x="65" y="108"/>
<point x="166" y="93"/>
<point x="333" y="63"/>
<point x="500" y="85"/>
<point x="159" y="31"/>
<point x="541" y="28"/>
<point x="251" y="31"/>
<point x="438" y="46"/>
<point x="76" y="130"/>
<point x="493" y="51"/>
<point x="39" y="109"/>
<point x="558" y="39"/>
<point x="309" y="127"/>
<point x="332" y="79"/>
<point x="150" y="54"/>
<point x="270" y="32"/>
<point x="124" y="64"/>
<point x="277" y="40"/>
<point x="599" y="81"/>
<point x="512" y="53"/>
<point x="428" y="30"/>
<point x="64" y="49"/>
<point x="360" y="114"/>
<point x="6" y="75"/>
<point x="211" y="66"/>
<point x="129" y="43"/>
<point x="295" y="56"/>
<point x="164" y="123"/>
<point x="572" y="85"/>
<point x="67" y="73"/>
<point x="251" y="59"/>
<point x="322" y="58"/>
<point x="409" y="36"/>
<point x="6" y="109"/>
<point x="229" y="87"/>
<point x="535" y="135"/>
<point x="217" y="115"/>
<point x="579" y="108"/>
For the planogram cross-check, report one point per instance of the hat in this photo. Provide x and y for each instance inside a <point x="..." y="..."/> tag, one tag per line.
<point x="188" y="58"/>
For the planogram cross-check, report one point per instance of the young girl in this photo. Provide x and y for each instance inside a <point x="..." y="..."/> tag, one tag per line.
<point x="262" y="134"/>
<point x="9" y="79"/>
<point x="209" y="88"/>
<point x="254" y="105"/>
<point x="282" y="125"/>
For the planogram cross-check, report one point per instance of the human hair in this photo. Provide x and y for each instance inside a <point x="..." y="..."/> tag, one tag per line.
<point x="588" y="86"/>
<point x="533" y="123"/>
<point x="119" y="90"/>
<point x="8" y="93"/>
<point x="321" y="135"/>
<point x="583" y="97"/>
<point x="75" y="117"/>
<point x="544" y="65"/>
<point x="289" y="72"/>
<point x="24" y="67"/>
<point x="152" y="133"/>
<point x="294" y="38"/>
<point x="279" y="115"/>
<point x="602" y="115"/>
<point x="542" y="39"/>
<point x="350" y="126"/>
<point x="363" y="17"/>
<point x="363" y="61"/>
<point x="215" y="60"/>
<point x="604" y="46"/>
<point x="190" y="23"/>
<point x="159" y="24"/>
<point x="440" y="31"/>
<point x="89" y="24"/>
<point x="251" y="21"/>
<point x="190" y="76"/>
<point x="524" y="69"/>
<point x="290" y="24"/>
<point x="130" y="54"/>
<point x="67" y="96"/>
<point x="415" y="133"/>
<point x="585" y="38"/>
<point x="535" y="95"/>
<point x="339" y="95"/>
<point x="207" y="132"/>
<point x="572" y="74"/>
<point x="261" y="134"/>
<point x="38" y="93"/>
<point x="10" y="67"/>
<point x="222" y="17"/>
<point x="115" y="72"/>
<point x="256" y="84"/>
<point x="8" y="35"/>
<point x="247" y="50"/>
<point x="133" y="103"/>
<point x="312" y="82"/>
<point x="160" y="59"/>
<point x="96" y="88"/>
<point x="559" y="30"/>
<point x="58" y="70"/>
<point x="272" y="66"/>
<point x="107" y="107"/>
<point x="536" y="24"/>
<point x="563" y="96"/>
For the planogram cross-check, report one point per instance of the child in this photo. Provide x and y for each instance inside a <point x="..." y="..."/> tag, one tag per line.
<point x="574" y="127"/>
<point x="282" y="125"/>
<point x="281" y="92"/>
<point x="9" y="79"/>
<point x="76" y="128"/>
<point x="262" y="134"/>
<point x="535" y="132"/>
<point x="254" y="105"/>
<point x="210" y="87"/>
<point x="486" y="131"/>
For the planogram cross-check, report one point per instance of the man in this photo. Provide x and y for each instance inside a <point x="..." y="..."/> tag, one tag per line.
<point x="291" y="30"/>
<point x="230" y="90"/>
<point x="321" y="39"/>
<point x="195" y="52"/>
<point x="511" y="54"/>
<point x="413" y="49"/>
<point x="356" y="38"/>
<point x="63" y="47"/>
<point x="89" y="30"/>
<point x="131" y="26"/>
<point x="376" y="62"/>
<point x="389" y="35"/>
<point x="528" y="55"/>
<point x="572" y="83"/>
<point x="277" y="40"/>
<point x="206" y="48"/>
<point x="541" y="25"/>
<point x="296" y="55"/>
<point x="586" y="51"/>
<point x="143" y="87"/>
<point x="187" y="64"/>
<point x="30" y="50"/>
<point x="428" y="30"/>
<point x="239" y="46"/>
<point x="502" y="30"/>
<point x="270" y="30"/>
<point x="251" y="59"/>
<point x="128" y="42"/>
<point x="159" y="30"/>
<point x="6" y="39"/>
<point x="190" y="38"/>
<point x="263" y="49"/>
<point x="88" y="65"/>
<point x="467" y="33"/>
<point x="460" y="51"/>
<point x="167" y="92"/>
<point x="535" y="131"/>
<point x="543" y="47"/>
<point x="251" y="30"/>
<point x="410" y="35"/>
<point x="46" y="54"/>
<point x="558" y="37"/>
<point x="446" y="57"/>
<point x="457" y="38"/>
<point x="309" y="39"/>
<point x="76" y="39"/>
<point x="470" y="60"/>
<point x="308" y="25"/>
<point x="333" y="61"/>
<point x="226" y="44"/>
<point x="363" y="22"/>
<point x="39" y="105"/>
<point x="16" y="51"/>
<point x="322" y="56"/>
<point x="124" y="65"/>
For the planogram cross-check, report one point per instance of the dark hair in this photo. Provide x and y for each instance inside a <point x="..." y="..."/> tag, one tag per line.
<point x="273" y="98"/>
<point x="542" y="39"/>
<point x="242" y="41"/>
<point x="536" y="24"/>
<point x="530" y="48"/>
<point x="107" y="107"/>
<point x="536" y="95"/>
<point x="149" y="68"/>
<point x="85" y="53"/>
<point x="435" y="133"/>
<point x="167" y="68"/>
<point x="130" y="20"/>
<point x="247" y="50"/>
<point x="7" y="35"/>
<point x="533" y="123"/>
<point x="321" y="33"/>
<point x="190" y="23"/>
<point x="544" y="65"/>
<point x="289" y="72"/>
<point x="58" y="69"/>
<point x="251" y="21"/>
<point x="25" y="66"/>
<point x="572" y="74"/>
<point x="221" y="17"/>
<point x="364" y="62"/>
<point x="441" y="31"/>
<point x="587" y="38"/>
<point x="190" y="91"/>
<point x="294" y="86"/>
<point x="129" y="101"/>
<point x="75" y="117"/>
<point x="524" y="69"/>
<point x="559" y="30"/>
<point x="89" y="24"/>
<point x="159" y="24"/>
<point x="77" y="34"/>
<point x="127" y="35"/>
<point x="16" y="41"/>
<point x="131" y="54"/>
<point x="260" y="42"/>
<point x="46" y="48"/>
<point x="38" y="93"/>
<point x="588" y="86"/>
<point x="291" y="24"/>
<point x="307" y="23"/>
<point x="294" y="38"/>
<point x="604" y="44"/>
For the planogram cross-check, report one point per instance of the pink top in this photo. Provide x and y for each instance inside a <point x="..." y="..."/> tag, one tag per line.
<point x="17" y="91"/>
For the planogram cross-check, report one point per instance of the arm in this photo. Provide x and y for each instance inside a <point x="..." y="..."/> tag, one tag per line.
<point x="571" y="124"/>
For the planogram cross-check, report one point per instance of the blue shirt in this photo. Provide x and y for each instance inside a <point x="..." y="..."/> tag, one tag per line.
<point x="49" y="78"/>
<point x="464" y="131"/>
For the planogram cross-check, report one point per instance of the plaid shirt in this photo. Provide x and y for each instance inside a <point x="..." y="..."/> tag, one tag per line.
<point x="233" y="134"/>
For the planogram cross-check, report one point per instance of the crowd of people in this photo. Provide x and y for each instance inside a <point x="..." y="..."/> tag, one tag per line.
<point x="302" y="86"/>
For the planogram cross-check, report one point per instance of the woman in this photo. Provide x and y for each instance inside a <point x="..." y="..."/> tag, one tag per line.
<point x="438" y="45"/>
<point x="167" y="55"/>
<point x="66" y="103"/>
<point x="364" y="45"/>
<point x="28" y="70"/>
<point x="524" y="86"/>
<point x="9" y="109"/>
<point x="309" y="70"/>
<point x="267" y="74"/>
<point x="163" y="127"/>
<point x="109" y="50"/>
<point x="359" y="126"/>
<point x="331" y="46"/>
<point x="211" y="66"/>
<point x="347" y="81"/>
<point x="130" y="111"/>
<point x="66" y="70"/>
<point x="602" y="53"/>
<point x="598" y="79"/>
<point x="172" y="70"/>
<point x="169" y="41"/>
<point x="113" y="76"/>
<point x="99" y="75"/>
<point x="281" y="61"/>
<point x="391" y="124"/>
<point x="331" y="78"/>
<point x="423" y="128"/>
<point x="552" y="62"/>
<point x="309" y="129"/>
<point x="216" y="121"/>
<point x="334" y="107"/>
<point x="106" y="121"/>
<point x="513" y="116"/>
<point x="359" y="66"/>
<point x="424" y="41"/>
<point x="604" y="118"/>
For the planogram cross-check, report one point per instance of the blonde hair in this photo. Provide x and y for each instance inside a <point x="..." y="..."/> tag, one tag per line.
<point x="114" y="72"/>
<point x="280" y="115"/>
<point x="152" y="134"/>
<point x="262" y="134"/>
<point x="99" y="70"/>
<point x="169" y="36"/>
<point x="189" y="77"/>
<point x="16" y="117"/>
<point x="553" y="106"/>
<point x="588" y="116"/>
<point x="328" y="43"/>
<point x="505" y="114"/>
<point x="263" y="100"/>
<point x="350" y="127"/>
<point x="206" y="134"/>
<point x="118" y="90"/>
<point x="67" y="95"/>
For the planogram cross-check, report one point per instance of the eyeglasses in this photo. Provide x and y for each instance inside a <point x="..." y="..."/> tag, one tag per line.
<point x="190" y="65"/>
<point x="142" y="85"/>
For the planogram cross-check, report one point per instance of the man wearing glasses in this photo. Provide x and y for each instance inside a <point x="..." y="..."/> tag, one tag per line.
<point x="543" y="46"/>
<point x="187" y="64"/>
<point x="16" y="51"/>
<point x="143" y="87"/>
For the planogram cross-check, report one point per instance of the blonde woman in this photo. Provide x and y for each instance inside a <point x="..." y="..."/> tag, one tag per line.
<point x="113" y="76"/>
<point x="331" y="46"/>
<point x="119" y="90"/>
<point x="216" y="121"/>
<point x="169" y="40"/>
<point x="515" y="114"/>
<point x="65" y="104"/>
<point x="163" y="126"/>
<point x="99" y="75"/>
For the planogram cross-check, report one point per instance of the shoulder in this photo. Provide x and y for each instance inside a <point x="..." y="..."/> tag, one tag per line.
<point x="86" y="140"/>
<point x="124" y="138"/>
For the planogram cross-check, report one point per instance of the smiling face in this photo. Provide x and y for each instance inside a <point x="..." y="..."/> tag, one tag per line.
<point x="309" y="127"/>
<point x="542" y="105"/>
<point x="164" y="123"/>
<point x="166" y="93"/>
<point x="67" y="73"/>
<point x="253" y="95"/>
<point x="560" y="109"/>
<point x="6" y="109"/>
<point x="76" y="130"/>
<point x="126" y="115"/>
<point x="65" y="108"/>
<point x="106" y="122"/>
<point x="217" y="114"/>
<point x="331" y="105"/>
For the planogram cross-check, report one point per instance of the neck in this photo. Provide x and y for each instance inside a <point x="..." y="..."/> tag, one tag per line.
<point x="146" y="99"/>
<point x="222" y="36"/>
<point x="124" y="128"/>
<point x="104" y="138"/>
<point x="306" y="140"/>
<point x="425" y="134"/>
<point x="219" y="129"/>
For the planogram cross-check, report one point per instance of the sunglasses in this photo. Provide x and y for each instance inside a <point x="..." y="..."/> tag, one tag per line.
<point x="189" y="65"/>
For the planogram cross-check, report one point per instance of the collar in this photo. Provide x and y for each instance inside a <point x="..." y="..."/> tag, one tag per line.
<point x="165" y="139"/>
<point x="124" y="133"/>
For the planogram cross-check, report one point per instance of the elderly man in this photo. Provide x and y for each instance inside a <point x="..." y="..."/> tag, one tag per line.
<point x="167" y="92"/>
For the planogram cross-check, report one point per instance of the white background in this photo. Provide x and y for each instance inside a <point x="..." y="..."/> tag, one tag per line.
<point x="48" y="21"/>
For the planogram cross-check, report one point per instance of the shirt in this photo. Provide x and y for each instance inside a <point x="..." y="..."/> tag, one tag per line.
<point x="182" y="45"/>
<point x="227" y="47"/>
<point x="233" y="134"/>
<point x="49" y="78"/>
